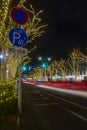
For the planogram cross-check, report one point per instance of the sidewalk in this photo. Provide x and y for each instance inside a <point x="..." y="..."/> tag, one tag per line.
<point x="34" y="117"/>
<point x="27" y="118"/>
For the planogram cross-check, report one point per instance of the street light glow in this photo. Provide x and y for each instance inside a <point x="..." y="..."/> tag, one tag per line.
<point x="49" y="59"/>
<point x="1" y="56"/>
<point x="40" y="58"/>
<point x="45" y="61"/>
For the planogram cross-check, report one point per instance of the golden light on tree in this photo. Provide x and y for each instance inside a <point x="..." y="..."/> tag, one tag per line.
<point x="59" y="67"/>
<point x="73" y="62"/>
<point x="37" y="73"/>
<point x="4" y="6"/>
<point x="70" y="66"/>
<point x="34" y="28"/>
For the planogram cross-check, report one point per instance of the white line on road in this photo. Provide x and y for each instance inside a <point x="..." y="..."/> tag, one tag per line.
<point x="34" y="92"/>
<point x="39" y="98"/>
<point x="73" y="113"/>
<point x="67" y="101"/>
<point x="68" y="110"/>
<point x="45" y="104"/>
<point x="77" y="115"/>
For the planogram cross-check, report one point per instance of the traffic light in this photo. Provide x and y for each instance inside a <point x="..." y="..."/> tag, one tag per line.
<point x="24" y="69"/>
<point x="43" y="65"/>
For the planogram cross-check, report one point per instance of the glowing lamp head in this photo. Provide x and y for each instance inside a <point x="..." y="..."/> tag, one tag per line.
<point x="1" y="56"/>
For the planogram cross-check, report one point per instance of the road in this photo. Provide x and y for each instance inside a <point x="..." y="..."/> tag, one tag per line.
<point x="50" y="111"/>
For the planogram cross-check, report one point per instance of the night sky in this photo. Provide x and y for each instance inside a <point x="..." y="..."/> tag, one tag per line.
<point x="67" y="27"/>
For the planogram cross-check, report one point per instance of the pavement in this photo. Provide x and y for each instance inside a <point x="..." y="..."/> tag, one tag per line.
<point x="33" y="118"/>
<point x="27" y="119"/>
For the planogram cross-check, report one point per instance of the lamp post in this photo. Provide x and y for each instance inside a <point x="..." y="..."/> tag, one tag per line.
<point x="44" y="65"/>
<point x="49" y="59"/>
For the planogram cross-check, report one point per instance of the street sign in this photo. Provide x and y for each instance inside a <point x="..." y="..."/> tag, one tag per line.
<point x="17" y="50"/>
<point x="18" y="37"/>
<point x="19" y="15"/>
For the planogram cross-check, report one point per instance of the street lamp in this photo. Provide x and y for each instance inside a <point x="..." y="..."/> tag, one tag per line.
<point x="49" y="59"/>
<point x="39" y="58"/>
<point x="44" y="64"/>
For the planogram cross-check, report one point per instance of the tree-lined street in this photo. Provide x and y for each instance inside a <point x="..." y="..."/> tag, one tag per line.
<point x="28" y="80"/>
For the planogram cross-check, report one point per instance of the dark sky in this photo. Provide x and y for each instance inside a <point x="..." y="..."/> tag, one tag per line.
<point x="67" y="27"/>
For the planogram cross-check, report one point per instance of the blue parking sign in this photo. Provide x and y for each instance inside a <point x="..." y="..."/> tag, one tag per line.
<point x="18" y="37"/>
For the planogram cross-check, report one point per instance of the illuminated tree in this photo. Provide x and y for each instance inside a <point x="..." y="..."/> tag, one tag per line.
<point x="33" y="28"/>
<point x="4" y="5"/>
<point x="71" y="65"/>
<point x="36" y="73"/>
<point x="73" y="62"/>
<point x="58" y="67"/>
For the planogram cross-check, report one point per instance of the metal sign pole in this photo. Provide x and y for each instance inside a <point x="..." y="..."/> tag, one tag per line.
<point x="18" y="37"/>
<point x="20" y="87"/>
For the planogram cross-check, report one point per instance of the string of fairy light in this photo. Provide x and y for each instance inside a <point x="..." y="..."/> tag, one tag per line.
<point x="4" y="96"/>
<point x="4" y="6"/>
<point x="6" y="93"/>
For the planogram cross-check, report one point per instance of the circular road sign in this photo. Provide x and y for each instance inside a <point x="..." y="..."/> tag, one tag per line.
<point x="19" y="15"/>
<point x="18" y="37"/>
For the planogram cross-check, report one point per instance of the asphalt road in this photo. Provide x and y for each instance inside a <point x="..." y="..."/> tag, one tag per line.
<point x="44" y="110"/>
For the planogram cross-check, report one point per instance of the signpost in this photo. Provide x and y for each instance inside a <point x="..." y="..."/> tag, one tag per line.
<point x="18" y="38"/>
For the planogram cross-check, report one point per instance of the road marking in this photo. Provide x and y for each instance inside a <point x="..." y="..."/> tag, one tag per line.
<point x="83" y="107"/>
<point x="73" y="113"/>
<point x="34" y="92"/>
<point x="31" y="92"/>
<point x="38" y="99"/>
<point x="68" y="110"/>
<point x="77" y="115"/>
<point x="71" y="103"/>
<point x="41" y="95"/>
<point x="46" y="104"/>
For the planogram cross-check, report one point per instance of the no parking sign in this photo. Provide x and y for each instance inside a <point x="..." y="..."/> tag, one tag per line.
<point x="19" y="15"/>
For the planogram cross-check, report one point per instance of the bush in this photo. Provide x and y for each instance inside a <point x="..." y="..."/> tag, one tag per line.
<point x="8" y="98"/>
